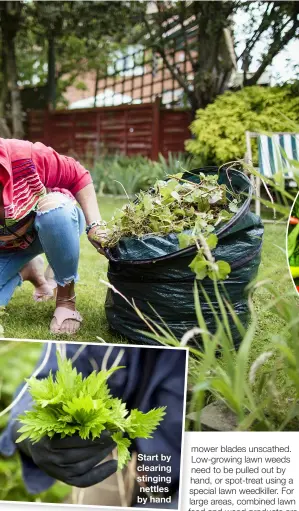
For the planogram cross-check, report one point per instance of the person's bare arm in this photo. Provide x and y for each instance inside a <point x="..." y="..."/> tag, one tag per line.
<point x="63" y="172"/>
<point x="88" y="201"/>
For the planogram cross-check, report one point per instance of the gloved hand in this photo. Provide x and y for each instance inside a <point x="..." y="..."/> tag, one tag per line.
<point x="73" y="460"/>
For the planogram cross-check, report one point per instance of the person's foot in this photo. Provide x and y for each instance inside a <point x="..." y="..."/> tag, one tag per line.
<point x="34" y="272"/>
<point x="43" y="294"/>
<point x="67" y="319"/>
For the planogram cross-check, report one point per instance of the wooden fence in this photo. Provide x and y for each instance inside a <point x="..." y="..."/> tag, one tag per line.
<point x="145" y="129"/>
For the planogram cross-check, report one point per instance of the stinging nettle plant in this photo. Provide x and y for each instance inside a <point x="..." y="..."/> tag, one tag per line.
<point x="72" y="405"/>
<point x="191" y="210"/>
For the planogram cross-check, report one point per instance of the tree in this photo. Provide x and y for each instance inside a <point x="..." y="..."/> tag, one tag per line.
<point x="10" y="17"/>
<point x="204" y="31"/>
<point x="51" y="44"/>
<point x="276" y="22"/>
<point x="79" y="36"/>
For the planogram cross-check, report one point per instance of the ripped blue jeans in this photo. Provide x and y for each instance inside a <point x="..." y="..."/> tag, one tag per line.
<point x="58" y="233"/>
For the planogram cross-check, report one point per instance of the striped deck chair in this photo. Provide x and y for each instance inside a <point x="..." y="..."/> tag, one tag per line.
<point x="276" y="154"/>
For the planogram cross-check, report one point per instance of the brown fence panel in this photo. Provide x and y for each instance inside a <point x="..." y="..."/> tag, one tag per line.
<point x="128" y="129"/>
<point x="174" y="130"/>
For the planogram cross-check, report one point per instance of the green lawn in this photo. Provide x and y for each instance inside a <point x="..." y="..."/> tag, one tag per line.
<point x="30" y="320"/>
<point x="273" y="267"/>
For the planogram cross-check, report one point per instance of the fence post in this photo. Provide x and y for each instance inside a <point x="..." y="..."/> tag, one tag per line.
<point x="156" y="129"/>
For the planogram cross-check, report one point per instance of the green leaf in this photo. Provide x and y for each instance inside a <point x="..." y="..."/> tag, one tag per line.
<point x="223" y="216"/>
<point x="185" y="240"/>
<point x="292" y="240"/>
<point x="219" y="271"/>
<point x="179" y="175"/>
<point x="175" y="195"/>
<point x="142" y="425"/>
<point x="147" y="203"/>
<point x="167" y="189"/>
<point x="69" y="404"/>
<point x="123" y="453"/>
<point x="199" y="266"/>
<point x="233" y="206"/>
<point x="212" y="241"/>
<point x="217" y="196"/>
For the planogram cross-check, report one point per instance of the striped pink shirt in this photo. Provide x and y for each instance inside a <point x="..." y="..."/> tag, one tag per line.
<point x="26" y="172"/>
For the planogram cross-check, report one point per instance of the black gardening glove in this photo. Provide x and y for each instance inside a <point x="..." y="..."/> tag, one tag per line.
<point x="73" y="460"/>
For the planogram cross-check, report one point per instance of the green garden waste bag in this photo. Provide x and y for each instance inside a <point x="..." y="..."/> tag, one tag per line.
<point x="154" y="272"/>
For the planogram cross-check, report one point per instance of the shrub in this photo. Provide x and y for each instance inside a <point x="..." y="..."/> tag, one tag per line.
<point x="114" y="174"/>
<point x="134" y="173"/>
<point x="219" y="129"/>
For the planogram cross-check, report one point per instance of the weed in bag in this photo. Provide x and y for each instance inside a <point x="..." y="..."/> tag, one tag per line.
<point x="195" y="225"/>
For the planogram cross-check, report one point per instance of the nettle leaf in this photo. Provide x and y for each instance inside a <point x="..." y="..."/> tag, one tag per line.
<point x="37" y="423"/>
<point x="219" y="271"/>
<point x="185" y="240"/>
<point x="67" y="377"/>
<point x="203" y="204"/>
<point x="199" y="266"/>
<point x="147" y="203"/>
<point x="179" y="212"/>
<point x="223" y="216"/>
<point x="44" y="391"/>
<point x="176" y="196"/>
<point x="142" y="425"/>
<point x="233" y="206"/>
<point x="117" y="414"/>
<point x="175" y="206"/>
<point x="95" y="384"/>
<point x="68" y="404"/>
<point x="55" y="400"/>
<point x="216" y="196"/>
<point x="123" y="453"/>
<point x="212" y="241"/>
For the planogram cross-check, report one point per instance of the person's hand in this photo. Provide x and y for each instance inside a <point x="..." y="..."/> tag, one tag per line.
<point x="75" y="461"/>
<point x="97" y="237"/>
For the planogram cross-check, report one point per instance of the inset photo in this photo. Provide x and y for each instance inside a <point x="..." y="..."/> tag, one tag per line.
<point x="91" y="424"/>
<point x="293" y="242"/>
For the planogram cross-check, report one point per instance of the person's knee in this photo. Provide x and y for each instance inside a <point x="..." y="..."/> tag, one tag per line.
<point x="50" y="202"/>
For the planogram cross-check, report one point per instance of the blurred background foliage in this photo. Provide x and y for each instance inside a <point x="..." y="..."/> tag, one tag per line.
<point x="17" y="361"/>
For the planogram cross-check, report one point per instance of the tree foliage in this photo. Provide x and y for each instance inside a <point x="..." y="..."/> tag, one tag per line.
<point x="205" y="31"/>
<point x="202" y="30"/>
<point x="52" y="43"/>
<point x="219" y="129"/>
<point x="10" y="20"/>
<point x="70" y="38"/>
<point x="277" y="23"/>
